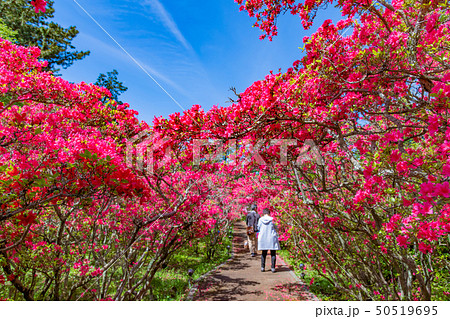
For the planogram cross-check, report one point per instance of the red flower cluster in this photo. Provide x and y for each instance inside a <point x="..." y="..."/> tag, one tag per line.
<point x="39" y="5"/>
<point x="89" y="192"/>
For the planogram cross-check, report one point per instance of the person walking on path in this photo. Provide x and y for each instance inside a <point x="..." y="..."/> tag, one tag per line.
<point x="267" y="239"/>
<point x="252" y="224"/>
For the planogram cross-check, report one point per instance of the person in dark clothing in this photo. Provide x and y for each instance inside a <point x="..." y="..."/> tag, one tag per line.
<point x="252" y="227"/>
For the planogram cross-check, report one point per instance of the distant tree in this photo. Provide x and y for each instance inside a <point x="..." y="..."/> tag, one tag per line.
<point x="111" y="82"/>
<point x="34" y="29"/>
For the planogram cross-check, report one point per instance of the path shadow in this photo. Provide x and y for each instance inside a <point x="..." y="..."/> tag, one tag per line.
<point x="227" y="295"/>
<point x="282" y="269"/>
<point x="294" y="291"/>
<point x="225" y="288"/>
<point x="239" y="281"/>
<point x="235" y="266"/>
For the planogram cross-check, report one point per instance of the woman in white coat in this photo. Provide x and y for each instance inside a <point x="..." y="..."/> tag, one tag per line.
<point x="267" y="239"/>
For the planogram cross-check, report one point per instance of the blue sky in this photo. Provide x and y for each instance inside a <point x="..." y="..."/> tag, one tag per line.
<point x="195" y="50"/>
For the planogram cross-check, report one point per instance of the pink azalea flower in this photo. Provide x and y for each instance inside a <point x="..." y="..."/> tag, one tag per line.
<point x="424" y="248"/>
<point x="39" y="5"/>
<point x="427" y="209"/>
<point x="402" y="241"/>
<point x="446" y="170"/>
<point x="427" y="188"/>
<point x="396" y="156"/>
<point x="432" y="22"/>
<point x="368" y="172"/>
<point x="433" y="124"/>
<point x="442" y="190"/>
<point x="406" y="202"/>
<point x="402" y="166"/>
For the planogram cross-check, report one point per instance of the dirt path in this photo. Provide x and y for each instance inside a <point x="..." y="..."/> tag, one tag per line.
<point x="241" y="278"/>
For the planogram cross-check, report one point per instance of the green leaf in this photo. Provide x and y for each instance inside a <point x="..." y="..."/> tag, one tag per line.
<point x="40" y="182"/>
<point x="86" y="154"/>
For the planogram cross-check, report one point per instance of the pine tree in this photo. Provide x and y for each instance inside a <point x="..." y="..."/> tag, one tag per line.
<point x="111" y="82"/>
<point x="36" y="29"/>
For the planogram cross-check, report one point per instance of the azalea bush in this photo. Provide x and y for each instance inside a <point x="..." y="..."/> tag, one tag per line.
<point x="78" y="219"/>
<point x="364" y="194"/>
<point x="349" y="149"/>
<point x="371" y="212"/>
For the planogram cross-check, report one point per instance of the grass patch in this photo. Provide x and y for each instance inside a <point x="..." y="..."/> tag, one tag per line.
<point x="172" y="283"/>
<point x="318" y="285"/>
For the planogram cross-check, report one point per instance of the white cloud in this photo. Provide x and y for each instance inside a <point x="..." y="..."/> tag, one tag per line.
<point x="158" y="9"/>
<point x="118" y="54"/>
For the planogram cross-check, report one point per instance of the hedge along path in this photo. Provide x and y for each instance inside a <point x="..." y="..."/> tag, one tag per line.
<point x="240" y="278"/>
